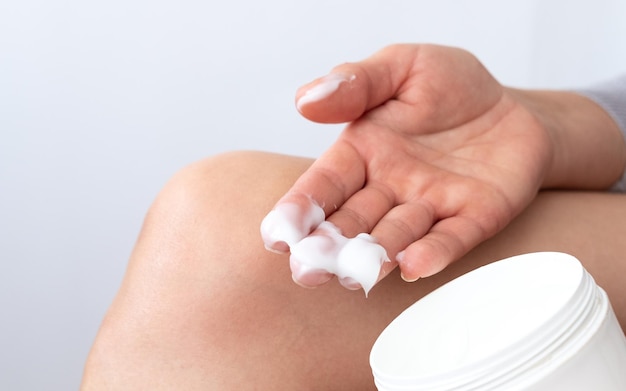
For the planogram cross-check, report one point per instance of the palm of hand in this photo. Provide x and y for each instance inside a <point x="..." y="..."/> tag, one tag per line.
<point x="433" y="169"/>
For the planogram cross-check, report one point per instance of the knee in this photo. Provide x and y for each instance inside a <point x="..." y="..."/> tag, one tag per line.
<point x="196" y="264"/>
<point x="223" y="183"/>
<point x="210" y="212"/>
<point x="221" y="199"/>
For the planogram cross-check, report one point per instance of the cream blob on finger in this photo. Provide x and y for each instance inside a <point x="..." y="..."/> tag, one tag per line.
<point x="312" y="259"/>
<point x="308" y="277"/>
<point x="325" y="87"/>
<point x="316" y="256"/>
<point x="288" y="223"/>
<point x="355" y="261"/>
<point x="360" y="260"/>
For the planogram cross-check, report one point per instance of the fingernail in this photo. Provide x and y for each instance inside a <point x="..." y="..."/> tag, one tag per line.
<point x="350" y="283"/>
<point x="305" y="276"/>
<point x="324" y="88"/>
<point x="278" y="247"/>
<point x="408" y="279"/>
<point x="400" y="259"/>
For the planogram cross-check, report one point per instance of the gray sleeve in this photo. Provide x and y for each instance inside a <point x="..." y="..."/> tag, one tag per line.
<point x="611" y="96"/>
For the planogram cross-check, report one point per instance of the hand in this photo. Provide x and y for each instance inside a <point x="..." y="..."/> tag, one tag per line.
<point x="437" y="157"/>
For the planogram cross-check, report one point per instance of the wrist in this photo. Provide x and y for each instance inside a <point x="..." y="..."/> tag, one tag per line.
<point x="588" y="149"/>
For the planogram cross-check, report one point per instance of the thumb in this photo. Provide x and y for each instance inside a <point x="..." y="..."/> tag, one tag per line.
<point x="351" y="89"/>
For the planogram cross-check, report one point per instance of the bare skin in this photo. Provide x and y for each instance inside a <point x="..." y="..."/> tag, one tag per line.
<point x="440" y="157"/>
<point x="201" y="310"/>
<point x="204" y="306"/>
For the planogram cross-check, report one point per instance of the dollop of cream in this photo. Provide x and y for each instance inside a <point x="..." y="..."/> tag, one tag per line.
<point x="288" y="223"/>
<point x="319" y="250"/>
<point x="327" y="85"/>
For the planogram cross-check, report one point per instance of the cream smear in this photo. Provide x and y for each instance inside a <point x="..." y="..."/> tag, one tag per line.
<point x="319" y="250"/>
<point x="328" y="84"/>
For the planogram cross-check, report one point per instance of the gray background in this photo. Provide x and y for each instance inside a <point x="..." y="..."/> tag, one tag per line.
<point x="101" y="102"/>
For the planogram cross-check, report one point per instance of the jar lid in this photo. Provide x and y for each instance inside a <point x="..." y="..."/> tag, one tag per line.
<point x="486" y="326"/>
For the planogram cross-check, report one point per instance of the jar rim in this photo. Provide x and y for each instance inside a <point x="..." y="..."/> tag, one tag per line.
<point x="573" y="304"/>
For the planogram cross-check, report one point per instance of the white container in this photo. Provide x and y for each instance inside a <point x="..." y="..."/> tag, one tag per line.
<point x="532" y="322"/>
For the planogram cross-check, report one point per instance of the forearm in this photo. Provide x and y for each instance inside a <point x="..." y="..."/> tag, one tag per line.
<point x="589" y="148"/>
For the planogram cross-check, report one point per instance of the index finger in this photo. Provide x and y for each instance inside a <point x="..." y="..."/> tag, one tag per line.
<point x="328" y="183"/>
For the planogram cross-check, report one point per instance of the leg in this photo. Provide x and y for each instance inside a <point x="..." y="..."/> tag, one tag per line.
<point x="204" y="306"/>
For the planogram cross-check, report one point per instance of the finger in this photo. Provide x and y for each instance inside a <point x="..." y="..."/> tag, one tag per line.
<point x="319" y="245"/>
<point x="398" y="227"/>
<point x="351" y="89"/>
<point x="327" y="184"/>
<point x="447" y="241"/>
<point x="401" y="226"/>
<point x="363" y="210"/>
<point x="355" y="261"/>
<point x="308" y="278"/>
<point x="289" y="222"/>
<point x="313" y="258"/>
<point x="359" y="214"/>
<point x="404" y="225"/>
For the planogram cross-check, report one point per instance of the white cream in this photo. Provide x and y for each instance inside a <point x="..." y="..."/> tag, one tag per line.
<point x="289" y="223"/>
<point x="319" y="250"/>
<point x="329" y="84"/>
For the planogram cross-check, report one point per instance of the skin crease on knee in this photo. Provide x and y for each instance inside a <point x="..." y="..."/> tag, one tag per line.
<point x="199" y="310"/>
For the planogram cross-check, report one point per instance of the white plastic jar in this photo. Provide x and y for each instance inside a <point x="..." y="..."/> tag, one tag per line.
<point x="531" y="322"/>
